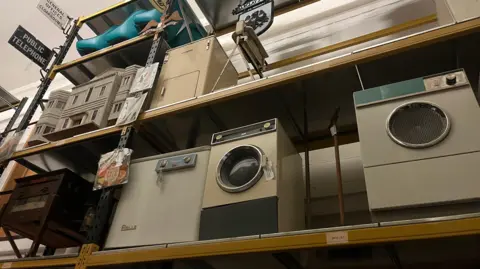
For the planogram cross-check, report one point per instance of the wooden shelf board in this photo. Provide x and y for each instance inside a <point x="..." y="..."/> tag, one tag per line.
<point x="377" y="235"/>
<point x="66" y="142"/>
<point x="415" y="41"/>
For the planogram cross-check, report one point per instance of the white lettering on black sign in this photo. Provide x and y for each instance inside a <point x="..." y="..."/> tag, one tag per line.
<point x="31" y="47"/>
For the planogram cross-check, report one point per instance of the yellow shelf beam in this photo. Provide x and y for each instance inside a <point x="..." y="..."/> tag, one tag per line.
<point x="41" y="263"/>
<point x="72" y="140"/>
<point x="352" y="237"/>
<point x="420" y="231"/>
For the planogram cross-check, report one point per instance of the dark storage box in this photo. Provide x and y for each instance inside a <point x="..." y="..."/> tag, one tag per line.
<point x="54" y="202"/>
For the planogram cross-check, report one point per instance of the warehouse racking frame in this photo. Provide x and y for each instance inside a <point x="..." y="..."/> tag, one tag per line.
<point x="378" y="233"/>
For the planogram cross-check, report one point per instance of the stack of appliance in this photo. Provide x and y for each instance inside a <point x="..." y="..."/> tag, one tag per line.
<point x="49" y="209"/>
<point x="249" y="182"/>
<point x="420" y="147"/>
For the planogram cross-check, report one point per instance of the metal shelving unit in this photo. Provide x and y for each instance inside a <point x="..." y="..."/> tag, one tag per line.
<point x="293" y="86"/>
<point x="348" y="236"/>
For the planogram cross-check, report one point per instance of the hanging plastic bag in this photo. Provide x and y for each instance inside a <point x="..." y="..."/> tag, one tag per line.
<point x="113" y="169"/>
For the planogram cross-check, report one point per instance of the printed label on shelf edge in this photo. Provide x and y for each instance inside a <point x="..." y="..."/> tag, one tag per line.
<point x="54" y="13"/>
<point x="31" y="47"/>
<point x="337" y="237"/>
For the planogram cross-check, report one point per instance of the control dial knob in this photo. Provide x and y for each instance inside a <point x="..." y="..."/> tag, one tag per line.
<point x="451" y="79"/>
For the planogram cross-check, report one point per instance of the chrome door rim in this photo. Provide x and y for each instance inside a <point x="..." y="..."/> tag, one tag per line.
<point x="251" y="182"/>
<point x="424" y="145"/>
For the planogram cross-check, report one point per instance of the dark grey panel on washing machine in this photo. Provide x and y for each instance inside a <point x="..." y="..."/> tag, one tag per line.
<point x="253" y="217"/>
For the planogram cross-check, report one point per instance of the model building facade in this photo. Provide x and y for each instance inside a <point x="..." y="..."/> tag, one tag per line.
<point x="49" y="119"/>
<point x="89" y="105"/>
<point x="128" y="77"/>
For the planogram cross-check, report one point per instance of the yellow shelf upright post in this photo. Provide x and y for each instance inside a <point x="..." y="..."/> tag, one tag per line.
<point x="85" y="252"/>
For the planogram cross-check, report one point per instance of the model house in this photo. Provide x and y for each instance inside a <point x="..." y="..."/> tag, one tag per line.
<point x="49" y="119"/>
<point x="128" y="77"/>
<point x="89" y="105"/>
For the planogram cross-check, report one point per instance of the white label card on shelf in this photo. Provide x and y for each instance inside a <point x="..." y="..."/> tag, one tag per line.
<point x="7" y="265"/>
<point x="337" y="238"/>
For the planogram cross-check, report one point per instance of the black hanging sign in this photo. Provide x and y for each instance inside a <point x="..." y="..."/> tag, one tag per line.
<point x="31" y="47"/>
<point x="257" y="14"/>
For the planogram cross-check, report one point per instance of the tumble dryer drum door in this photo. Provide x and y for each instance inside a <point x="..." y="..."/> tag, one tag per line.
<point x="240" y="168"/>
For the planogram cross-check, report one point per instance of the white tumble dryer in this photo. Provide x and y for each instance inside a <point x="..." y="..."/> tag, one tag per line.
<point x="254" y="183"/>
<point x="162" y="201"/>
<point x="420" y="146"/>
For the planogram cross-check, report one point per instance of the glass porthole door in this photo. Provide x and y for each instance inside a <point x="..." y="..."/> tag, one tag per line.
<point x="240" y="168"/>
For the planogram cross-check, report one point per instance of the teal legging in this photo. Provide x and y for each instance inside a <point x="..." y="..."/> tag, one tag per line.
<point x="131" y="27"/>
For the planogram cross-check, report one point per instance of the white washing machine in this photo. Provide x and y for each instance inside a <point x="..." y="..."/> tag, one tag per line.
<point x="254" y="183"/>
<point x="162" y="201"/>
<point x="420" y="145"/>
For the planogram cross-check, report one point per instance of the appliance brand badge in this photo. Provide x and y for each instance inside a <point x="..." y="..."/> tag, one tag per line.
<point x="128" y="228"/>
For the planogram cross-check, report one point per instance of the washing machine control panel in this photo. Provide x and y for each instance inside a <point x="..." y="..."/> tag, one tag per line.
<point x="176" y="163"/>
<point x="245" y="131"/>
<point x="446" y="80"/>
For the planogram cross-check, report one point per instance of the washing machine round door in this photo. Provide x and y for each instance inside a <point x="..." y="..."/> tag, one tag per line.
<point x="240" y="168"/>
<point x="418" y="125"/>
